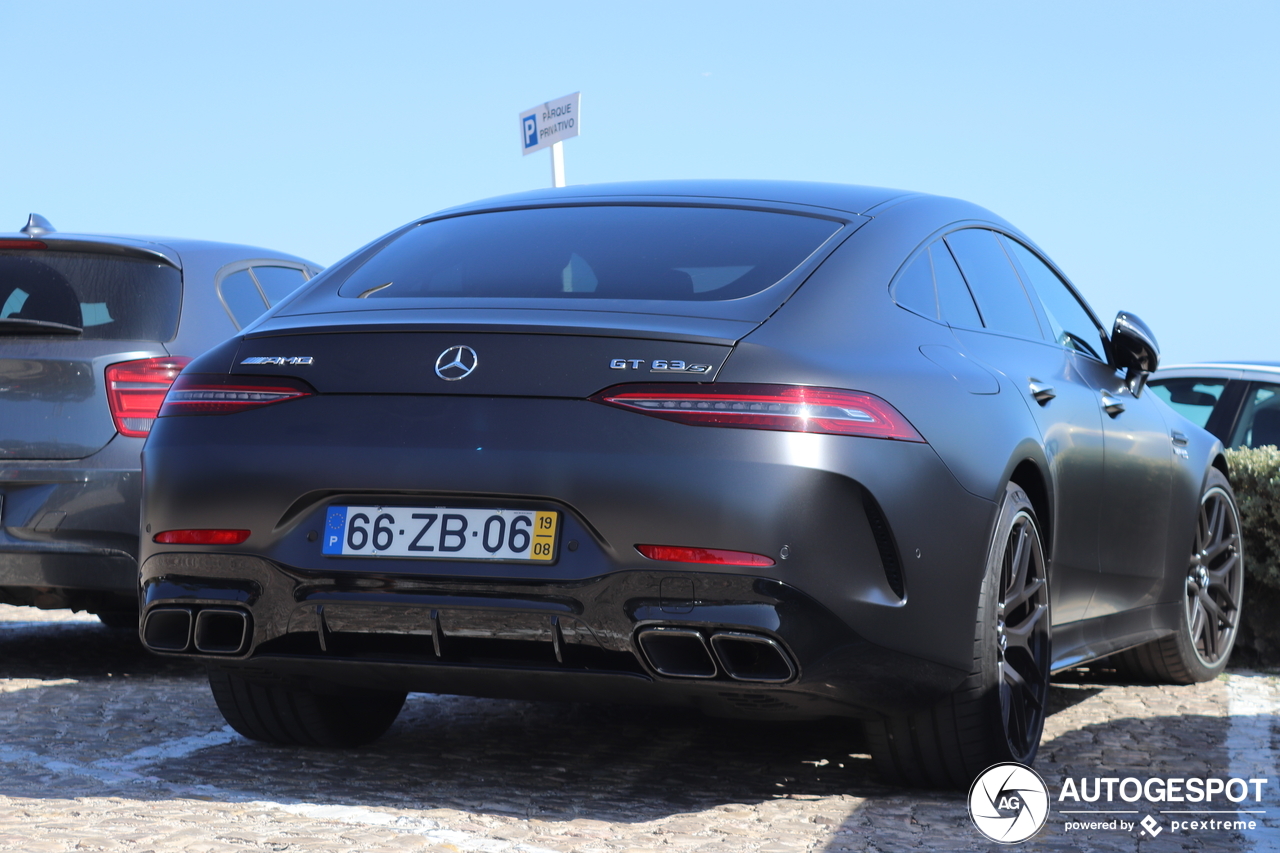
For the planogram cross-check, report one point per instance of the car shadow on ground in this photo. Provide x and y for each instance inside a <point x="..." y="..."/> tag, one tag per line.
<point x="55" y="650"/>
<point x="551" y="761"/>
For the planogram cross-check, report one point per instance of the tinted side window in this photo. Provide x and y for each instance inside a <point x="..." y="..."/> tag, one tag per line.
<point x="278" y="282"/>
<point x="1260" y="420"/>
<point x="242" y="298"/>
<point x="954" y="298"/>
<point x="1194" y="399"/>
<point x="995" y="284"/>
<point x="1070" y="322"/>
<point x="914" y="288"/>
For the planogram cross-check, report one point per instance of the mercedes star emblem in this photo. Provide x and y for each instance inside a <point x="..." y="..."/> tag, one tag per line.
<point x="457" y="362"/>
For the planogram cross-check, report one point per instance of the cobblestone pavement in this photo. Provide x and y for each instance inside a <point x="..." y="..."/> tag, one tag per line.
<point x="105" y="747"/>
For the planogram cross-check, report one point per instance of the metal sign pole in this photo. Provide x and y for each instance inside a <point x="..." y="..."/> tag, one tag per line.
<point x="557" y="164"/>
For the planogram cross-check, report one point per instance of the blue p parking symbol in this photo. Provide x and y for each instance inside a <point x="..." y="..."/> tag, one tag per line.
<point x="530" y="131"/>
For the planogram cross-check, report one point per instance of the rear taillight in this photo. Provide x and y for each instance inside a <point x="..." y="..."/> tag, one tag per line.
<point x="135" y="390"/>
<point x="201" y="537"/>
<point x="22" y="244"/>
<point x="216" y="394"/>
<point x="711" y="556"/>
<point x="789" y="408"/>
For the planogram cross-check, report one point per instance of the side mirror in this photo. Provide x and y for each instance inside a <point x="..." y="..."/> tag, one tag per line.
<point x="1135" y="350"/>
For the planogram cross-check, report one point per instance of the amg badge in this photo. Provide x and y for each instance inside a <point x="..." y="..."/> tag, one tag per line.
<point x="279" y="359"/>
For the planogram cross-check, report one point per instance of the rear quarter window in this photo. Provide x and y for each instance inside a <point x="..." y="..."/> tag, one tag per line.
<point x="108" y="296"/>
<point x="248" y="288"/>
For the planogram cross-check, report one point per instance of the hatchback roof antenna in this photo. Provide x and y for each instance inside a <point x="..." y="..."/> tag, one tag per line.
<point x="37" y="225"/>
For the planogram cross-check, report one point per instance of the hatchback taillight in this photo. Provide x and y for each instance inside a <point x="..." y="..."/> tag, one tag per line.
<point x="789" y="408"/>
<point x="217" y="394"/>
<point x="135" y="390"/>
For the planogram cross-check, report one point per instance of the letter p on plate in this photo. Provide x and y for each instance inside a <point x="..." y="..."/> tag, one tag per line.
<point x="530" y="131"/>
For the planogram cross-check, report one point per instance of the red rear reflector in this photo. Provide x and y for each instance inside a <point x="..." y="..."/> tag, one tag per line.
<point x="677" y="554"/>
<point x="202" y="537"/>
<point x="216" y="394"/>
<point x="789" y="408"/>
<point x="22" y="244"/>
<point x="135" y="390"/>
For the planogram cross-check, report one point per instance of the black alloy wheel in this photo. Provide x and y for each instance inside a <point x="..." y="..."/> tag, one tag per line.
<point x="1215" y="577"/>
<point x="1198" y="650"/>
<point x="997" y="713"/>
<point x="1022" y="636"/>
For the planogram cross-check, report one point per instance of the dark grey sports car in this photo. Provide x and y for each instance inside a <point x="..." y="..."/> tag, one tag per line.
<point x="776" y="450"/>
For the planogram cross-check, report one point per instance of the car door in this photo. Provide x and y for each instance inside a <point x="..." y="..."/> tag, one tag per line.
<point x="1005" y="333"/>
<point x="1138" y="469"/>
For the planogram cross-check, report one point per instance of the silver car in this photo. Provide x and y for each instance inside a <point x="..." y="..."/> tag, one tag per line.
<point x="93" y="330"/>
<point x="1237" y="401"/>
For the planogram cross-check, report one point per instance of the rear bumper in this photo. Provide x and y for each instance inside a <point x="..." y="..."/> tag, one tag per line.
<point x="69" y="530"/>
<point x="591" y="640"/>
<point x="840" y="517"/>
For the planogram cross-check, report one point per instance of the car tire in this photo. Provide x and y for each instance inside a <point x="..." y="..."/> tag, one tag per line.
<point x="276" y="713"/>
<point x="1214" y="594"/>
<point x="997" y="713"/>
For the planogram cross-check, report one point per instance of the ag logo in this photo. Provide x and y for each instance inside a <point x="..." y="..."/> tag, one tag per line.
<point x="457" y="362"/>
<point x="1008" y="803"/>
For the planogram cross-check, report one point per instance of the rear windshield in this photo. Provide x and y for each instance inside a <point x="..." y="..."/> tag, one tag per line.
<point x="601" y="252"/>
<point x="108" y="297"/>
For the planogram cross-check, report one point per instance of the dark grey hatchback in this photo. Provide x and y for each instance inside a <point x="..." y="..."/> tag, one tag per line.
<point x="93" y="329"/>
<point x="773" y="450"/>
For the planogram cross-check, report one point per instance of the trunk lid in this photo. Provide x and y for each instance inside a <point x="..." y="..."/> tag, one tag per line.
<point x="480" y="360"/>
<point x="65" y="315"/>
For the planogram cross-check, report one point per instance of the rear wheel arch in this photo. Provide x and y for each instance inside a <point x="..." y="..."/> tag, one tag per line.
<point x="1220" y="462"/>
<point x="1028" y="476"/>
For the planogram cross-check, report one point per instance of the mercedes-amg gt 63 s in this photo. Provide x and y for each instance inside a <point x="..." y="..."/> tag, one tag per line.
<point x="774" y="450"/>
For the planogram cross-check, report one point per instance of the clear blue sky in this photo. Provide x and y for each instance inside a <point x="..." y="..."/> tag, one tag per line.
<point x="1136" y="142"/>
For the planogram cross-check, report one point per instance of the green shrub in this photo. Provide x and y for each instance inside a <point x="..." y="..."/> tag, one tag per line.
<point x="1255" y="477"/>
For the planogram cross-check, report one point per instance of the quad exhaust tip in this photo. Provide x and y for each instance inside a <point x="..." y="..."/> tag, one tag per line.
<point x="740" y="655"/>
<point x="752" y="657"/>
<point x="678" y="652"/>
<point x="210" y="630"/>
<point x="168" y="629"/>
<point x="221" y="631"/>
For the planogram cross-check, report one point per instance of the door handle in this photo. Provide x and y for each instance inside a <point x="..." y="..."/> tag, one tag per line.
<point x="1179" y="439"/>
<point x="1111" y="404"/>
<point x="1041" y="392"/>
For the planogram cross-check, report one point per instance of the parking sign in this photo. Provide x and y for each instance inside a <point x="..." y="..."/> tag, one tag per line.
<point x="549" y="123"/>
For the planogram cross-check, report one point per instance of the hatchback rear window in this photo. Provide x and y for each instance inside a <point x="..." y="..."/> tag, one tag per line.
<point x="107" y="297"/>
<point x="593" y="252"/>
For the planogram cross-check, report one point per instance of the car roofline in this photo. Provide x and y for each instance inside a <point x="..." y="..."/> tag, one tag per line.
<point x="108" y="244"/>
<point x="845" y="199"/>
<point x="1261" y="366"/>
